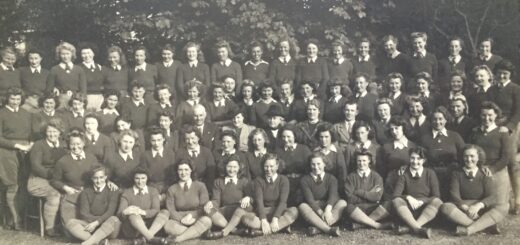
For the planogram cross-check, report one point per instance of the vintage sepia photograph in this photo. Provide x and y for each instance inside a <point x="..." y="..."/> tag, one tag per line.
<point x="259" y="122"/>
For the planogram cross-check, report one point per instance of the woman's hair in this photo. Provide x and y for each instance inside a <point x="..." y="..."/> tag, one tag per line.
<point x="189" y="129"/>
<point x="241" y="168"/>
<point x="75" y="133"/>
<point x="107" y="94"/>
<point x="47" y="96"/>
<point x="79" y="97"/>
<point x="141" y="170"/>
<point x="122" y="57"/>
<point x="56" y="123"/>
<point x="480" y="153"/>
<point x="445" y="113"/>
<point x="224" y="44"/>
<point x="184" y="161"/>
<point x="130" y="133"/>
<point x="363" y="152"/>
<point x="256" y="131"/>
<point x="419" y="151"/>
<point x="279" y="161"/>
<point x="363" y="124"/>
<point x="160" y="87"/>
<point x="462" y="99"/>
<point x="194" y="84"/>
<point x="488" y="105"/>
<point x="14" y="91"/>
<point x="326" y="127"/>
<point x="485" y="68"/>
<point x="229" y="133"/>
<point x="65" y="46"/>
<point x="317" y="154"/>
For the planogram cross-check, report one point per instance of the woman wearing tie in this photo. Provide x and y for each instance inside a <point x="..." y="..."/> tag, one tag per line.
<point x="231" y="199"/>
<point x="322" y="207"/>
<point x="394" y="84"/>
<point x="363" y="135"/>
<point x="308" y="93"/>
<point x="271" y="192"/>
<point x="98" y="144"/>
<point x="108" y="113"/>
<point x="115" y="76"/>
<point x="194" y="68"/>
<point x="48" y="104"/>
<point x="185" y="201"/>
<point x="284" y="67"/>
<point x="417" y="194"/>
<point x="473" y="205"/>
<point x="258" y="142"/>
<point x="335" y="162"/>
<point x="123" y="161"/>
<point x="225" y="66"/>
<point x="193" y="92"/>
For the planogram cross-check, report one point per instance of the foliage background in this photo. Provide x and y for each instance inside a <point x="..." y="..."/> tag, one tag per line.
<point x="152" y="23"/>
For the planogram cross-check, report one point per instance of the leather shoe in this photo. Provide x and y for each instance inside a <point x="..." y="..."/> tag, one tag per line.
<point x="158" y="241"/>
<point x="214" y="235"/>
<point x="238" y="232"/>
<point x="288" y="230"/>
<point x="255" y="233"/>
<point x="51" y="232"/>
<point x="140" y="241"/>
<point x="494" y="229"/>
<point x="334" y="231"/>
<point x="312" y="231"/>
<point x="401" y="229"/>
<point x="425" y="232"/>
<point x="355" y="226"/>
<point x="386" y="226"/>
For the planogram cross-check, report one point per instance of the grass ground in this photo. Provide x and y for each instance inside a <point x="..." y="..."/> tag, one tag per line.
<point x="442" y="235"/>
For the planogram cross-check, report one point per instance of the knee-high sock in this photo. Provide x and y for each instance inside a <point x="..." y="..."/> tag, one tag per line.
<point x="379" y="213"/>
<point x="337" y="210"/>
<point x="174" y="228"/>
<point x="234" y="221"/>
<point x="429" y="212"/>
<point x="196" y="230"/>
<point x="404" y="212"/>
<point x="515" y="179"/>
<point x="218" y="220"/>
<point x="159" y="221"/>
<point x="252" y="221"/>
<point x="359" y="216"/>
<point x="489" y="218"/>
<point x="10" y="196"/>
<point x="139" y="224"/>
<point x="455" y="214"/>
<point x="77" y="229"/>
<point x="288" y="217"/>
<point x="312" y="217"/>
<point x="50" y="210"/>
<point x="105" y="230"/>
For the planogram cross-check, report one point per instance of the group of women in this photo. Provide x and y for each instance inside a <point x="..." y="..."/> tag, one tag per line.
<point x="145" y="153"/>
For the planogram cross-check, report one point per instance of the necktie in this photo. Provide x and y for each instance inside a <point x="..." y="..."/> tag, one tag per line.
<point x="92" y="139"/>
<point x="270" y="180"/>
<point x="141" y="191"/>
<point x="284" y="60"/>
<point x="68" y="68"/>
<point x="185" y="186"/>
<point x="319" y="180"/>
<point x="77" y="157"/>
<point x="365" y="175"/>
<point x="336" y="62"/>
<point x="230" y="182"/>
<point x="416" y="175"/>
<point x="471" y="175"/>
<point x="193" y="153"/>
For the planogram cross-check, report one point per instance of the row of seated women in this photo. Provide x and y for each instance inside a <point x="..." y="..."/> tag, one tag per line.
<point x="103" y="209"/>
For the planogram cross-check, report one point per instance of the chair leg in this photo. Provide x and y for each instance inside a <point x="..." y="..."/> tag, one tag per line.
<point x="40" y="217"/>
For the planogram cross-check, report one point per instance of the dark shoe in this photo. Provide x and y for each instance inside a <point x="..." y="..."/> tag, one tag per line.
<point x="494" y="229"/>
<point x="313" y="231"/>
<point x="354" y="226"/>
<point x="214" y="235"/>
<point x="255" y="233"/>
<point x="386" y="226"/>
<point x="288" y="230"/>
<point x="158" y="241"/>
<point x="238" y="232"/>
<point x="461" y="231"/>
<point x="170" y="240"/>
<point x="425" y="232"/>
<point x="51" y="232"/>
<point x="334" y="231"/>
<point x="140" y="241"/>
<point x="401" y="229"/>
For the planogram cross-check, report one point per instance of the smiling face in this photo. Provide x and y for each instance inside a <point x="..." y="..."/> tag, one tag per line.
<point x="14" y="101"/>
<point x="184" y="172"/>
<point x="164" y="96"/>
<point x="335" y="90"/>
<point x="363" y="162"/>
<point x="287" y="137"/>
<point x="247" y="92"/>
<point x="416" y="161"/>
<point x="232" y="168"/>
<point x="167" y="55"/>
<point x="140" y="180"/>
<point x="65" y="55"/>
<point x="482" y="78"/>
<point x="111" y="101"/>
<point x="258" y="141"/>
<point x="455" y="47"/>
<point x="126" y="143"/>
<point x="228" y="143"/>
<point x="313" y="112"/>
<point x="270" y="167"/>
<point x="122" y="125"/>
<point x="87" y="55"/>
<point x="419" y="44"/>
<point x="456" y="84"/>
<point x="285" y="90"/>
<point x="91" y="125"/>
<point x="222" y="53"/>
<point x="165" y="122"/>
<point x="140" y="57"/>
<point x="114" y="58"/>
<point x="52" y="134"/>
<point x="99" y="179"/>
<point x="218" y="93"/>
<point x="488" y="117"/>
<point x="416" y="109"/>
<point x="470" y="157"/>
<point x="438" y="121"/>
<point x="457" y="108"/>
<point x="199" y="116"/>
<point x="390" y="47"/>
<point x="325" y="138"/>
<point x="337" y="52"/>
<point x="34" y="59"/>
<point x="485" y="48"/>
<point x="49" y="105"/>
<point x="256" y="54"/>
<point x="157" y="141"/>
<point x="267" y="93"/>
<point x="361" y="84"/>
<point x="503" y="75"/>
<point x="395" y="85"/>
<point x="307" y="90"/>
<point x="350" y="111"/>
<point x="284" y="48"/>
<point x="78" y="105"/>
<point x="384" y="111"/>
<point x="191" y="53"/>
<point x="422" y="85"/>
<point x="317" y="165"/>
<point x="364" y="49"/>
<point x="312" y="50"/>
<point x="192" y="140"/>
<point x="193" y="93"/>
<point x="76" y="145"/>
<point x="238" y="120"/>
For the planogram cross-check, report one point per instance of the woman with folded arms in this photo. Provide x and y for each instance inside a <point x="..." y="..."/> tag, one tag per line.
<point x="417" y="194"/>
<point x="271" y="194"/>
<point x="185" y="201"/>
<point x="231" y="199"/>
<point x="97" y="208"/>
<point x="139" y="209"/>
<point x="473" y="205"/>
<point x="322" y="206"/>
<point x="364" y="190"/>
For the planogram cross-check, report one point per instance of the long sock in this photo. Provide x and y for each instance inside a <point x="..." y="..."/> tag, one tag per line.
<point x="50" y="211"/>
<point x="407" y="217"/>
<point x="252" y="221"/>
<point x="490" y="218"/>
<point x="159" y="221"/>
<point x="77" y="229"/>
<point x="516" y="186"/>
<point x="360" y="216"/>
<point x="288" y="217"/>
<point x="337" y="210"/>
<point x="429" y="212"/>
<point x="105" y="230"/>
<point x="379" y="213"/>
<point x="218" y="220"/>
<point x="138" y="223"/>
<point x="234" y="221"/>
<point x="456" y="215"/>
<point x="312" y="217"/>
<point x="196" y="230"/>
<point x="174" y="228"/>
<point x="11" y="204"/>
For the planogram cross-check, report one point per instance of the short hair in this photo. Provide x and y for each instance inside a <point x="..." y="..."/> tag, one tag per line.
<point x="88" y="45"/>
<point x="191" y="45"/>
<point x="338" y="43"/>
<point x="92" y="115"/>
<point x="194" y="84"/>
<point x="364" y="152"/>
<point x="487" y="39"/>
<point x="419" y="151"/>
<point x="314" y="102"/>
<point x="363" y="75"/>
<point x="229" y="133"/>
<point x="505" y="65"/>
<point x="423" y="35"/>
<point x="257" y="131"/>
<point x="255" y="44"/>
<point x="241" y="167"/>
<point x="398" y="121"/>
<point x="35" y="51"/>
<point x="124" y="118"/>
<point x="364" y="40"/>
<point x="143" y="48"/>
<point x="136" y="84"/>
<point x="160" y="87"/>
<point x="480" y="153"/>
<point x="457" y="38"/>
<point x="185" y="161"/>
<point x="485" y="68"/>
<point x="141" y="170"/>
<point x="363" y="124"/>
<point x="425" y="76"/>
<point x="312" y="41"/>
<point x="350" y="101"/>
<point x="310" y="83"/>
<point x="98" y="168"/>
<point x="384" y="101"/>
<point x="488" y="105"/>
<point x="107" y="94"/>
<point x="292" y="129"/>
<point x="445" y="113"/>
<point x="75" y="133"/>
<point x="390" y="38"/>
<point x="65" y="46"/>
<point x="189" y="129"/>
<point x="459" y="73"/>
<point x="416" y="99"/>
<point x="318" y="154"/>
<point x="155" y="130"/>
<point x="326" y="127"/>
<point x="287" y="81"/>
<point x="200" y="107"/>
<point x="14" y="91"/>
<point x="279" y="161"/>
<point x="462" y="99"/>
<point x="56" y="123"/>
<point x="214" y="86"/>
<point x="122" y="56"/>
<point x="167" y="114"/>
<point x="79" y="97"/>
<point x="7" y="50"/>
<point x="394" y="75"/>
<point x="128" y="132"/>
<point x="224" y="44"/>
<point x="168" y="47"/>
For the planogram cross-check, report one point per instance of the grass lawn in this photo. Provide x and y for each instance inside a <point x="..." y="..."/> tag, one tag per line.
<point x="442" y="234"/>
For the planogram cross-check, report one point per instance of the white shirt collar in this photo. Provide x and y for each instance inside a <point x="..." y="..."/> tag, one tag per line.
<point x="38" y="69"/>
<point x="52" y="145"/>
<point x="187" y="183"/>
<point x="138" y="102"/>
<point x="126" y="156"/>
<point x="234" y="179"/>
<point x="64" y="65"/>
<point x="97" y="190"/>
<point x="365" y="58"/>
<point x="419" y="171"/>
<point x="395" y="54"/>
<point x="336" y="98"/>
<point x="116" y="67"/>
<point x="5" y="67"/>
<point x="456" y="59"/>
<point x="168" y="64"/>
<point x="293" y="147"/>
<point x="311" y="59"/>
<point x="167" y="104"/>
<point x="78" y="113"/>
<point x="420" y="120"/>
<point x="489" y="129"/>
<point x="90" y="65"/>
<point x="361" y="95"/>
<point x="142" y="67"/>
<point x="219" y="103"/>
<point x="192" y="102"/>
<point x="250" y="62"/>
<point x="361" y="173"/>
<point x="95" y="134"/>
<point x="396" y="94"/>
<point x="193" y="63"/>
<point x="226" y="62"/>
<point x="81" y="156"/>
<point x="287" y="58"/>
<point x="289" y="99"/>
<point x="506" y="83"/>
<point x="160" y="152"/>
<point x="263" y="152"/>
<point x="12" y="109"/>
<point x="315" y="177"/>
<point x="443" y="132"/>
<point x="340" y="60"/>
<point x="195" y="151"/>
<point x="401" y="144"/>
<point x="229" y="153"/>
<point x="110" y="111"/>
<point x="421" y="53"/>
<point x="327" y="150"/>
<point x="136" y="190"/>
<point x="274" y="177"/>
<point x="51" y="114"/>
<point x="473" y="171"/>
<point x="366" y="145"/>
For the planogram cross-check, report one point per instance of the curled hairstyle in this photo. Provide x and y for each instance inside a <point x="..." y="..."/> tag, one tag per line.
<point x="326" y="127"/>
<point x="122" y="56"/>
<point x="488" y="105"/>
<point x="14" y="91"/>
<point x="224" y="44"/>
<point x="75" y="133"/>
<point x="318" y="154"/>
<point x="363" y="124"/>
<point x="79" y="97"/>
<point x="364" y="152"/>
<point x="184" y="161"/>
<point x="485" y="68"/>
<point x="445" y="113"/>
<point x="237" y="159"/>
<point x="480" y="153"/>
<point x="419" y="151"/>
<point x="141" y="170"/>
<point x="128" y="132"/>
<point x="257" y="131"/>
<point x="56" y="123"/>
<point x="65" y="46"/>
<point x="462" y="99"/>
<point x="279" y="161"/>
